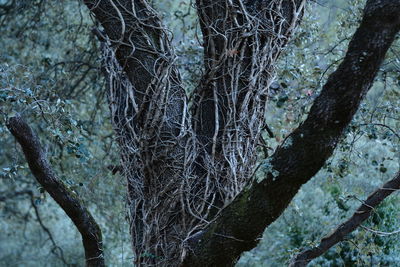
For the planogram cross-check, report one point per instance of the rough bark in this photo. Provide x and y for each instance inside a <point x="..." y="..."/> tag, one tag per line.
<point x="65" y="198"/>
<point x="167" y="197"/>
<point x="240" y="225"/>
<point x="363" y="212"/>
<point x="242" y="41"/>
<point x="179" y="178"/>
<point x="149" y="112"/>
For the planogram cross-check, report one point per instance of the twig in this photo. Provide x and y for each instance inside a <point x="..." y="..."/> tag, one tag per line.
<point x="380" y="232"/>
<point x="47" y="230"/>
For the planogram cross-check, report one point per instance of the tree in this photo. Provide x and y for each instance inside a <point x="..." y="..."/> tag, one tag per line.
<point x="190" y="164"/>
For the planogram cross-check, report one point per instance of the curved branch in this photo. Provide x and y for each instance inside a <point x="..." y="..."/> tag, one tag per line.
<point x="362" y="213"/>
<point x="303" y="153"/>
<point x="68" y="201"/>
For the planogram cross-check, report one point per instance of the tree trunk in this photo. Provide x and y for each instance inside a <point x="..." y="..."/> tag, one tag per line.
<point x="187" y="171"/>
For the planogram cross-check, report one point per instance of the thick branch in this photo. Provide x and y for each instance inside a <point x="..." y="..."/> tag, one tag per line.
<point x="242" y="41"/>
<point x="142" y="48"/>
<point x="68" y="201"/>
<point x="300" y="157"/>
<point x="362" y="213"/>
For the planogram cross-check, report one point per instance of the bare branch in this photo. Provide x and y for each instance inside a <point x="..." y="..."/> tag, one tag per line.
<point x="4" y="196"/>
<point x="380" y="232"/>
<point x="60" y="253"/>
<point x="68" y="201"/>
<point x="362" y="213"/>
<point x="384" y="126"/>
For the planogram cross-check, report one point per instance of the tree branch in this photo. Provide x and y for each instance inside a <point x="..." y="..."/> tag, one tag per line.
<point x="60" y="255"/>
<point x="305" y="151"/>
<point x="4" y="196"/>
<point x="362" y="213"/>
<point x="68" y="201"/>
<point x="142" y="48"/>
<point x="242" y="41"/>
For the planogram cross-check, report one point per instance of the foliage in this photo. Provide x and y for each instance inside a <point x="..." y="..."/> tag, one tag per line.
<point x="49" y="73"/>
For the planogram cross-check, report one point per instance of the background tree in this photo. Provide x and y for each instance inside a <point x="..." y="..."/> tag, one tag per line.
<point x="216" y="154"/>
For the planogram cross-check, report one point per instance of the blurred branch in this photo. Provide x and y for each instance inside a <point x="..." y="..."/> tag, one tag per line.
<point x="60" y="255"/>
<point x="5" y="196"/>
<point x="362" y="213"/>
<point x="384" y="126"/>
<point x="115" y="169"/>
<point x="7" y="6"/>
<point x="380" y="232"/>
<point x="68" y="201"/>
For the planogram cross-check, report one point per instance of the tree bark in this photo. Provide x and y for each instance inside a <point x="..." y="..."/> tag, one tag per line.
<point x="149" y="111"/>
<point x="182" y="171"/>
<point x="241" y="224"/>
<point x="65" y="198"/>
<point x="242" y="41"/>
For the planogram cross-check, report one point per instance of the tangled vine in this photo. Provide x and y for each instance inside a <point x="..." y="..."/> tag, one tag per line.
<point x="184" y="162"/>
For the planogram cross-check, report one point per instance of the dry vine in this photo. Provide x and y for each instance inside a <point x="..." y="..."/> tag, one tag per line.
<point x="183" y="167"/>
